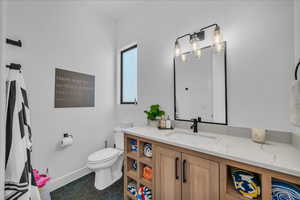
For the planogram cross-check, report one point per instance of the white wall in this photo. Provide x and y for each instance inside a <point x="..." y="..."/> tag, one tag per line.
<point x="75" y="37"/>
<point x="296" y="138"/>
<point x="297" y="29"/>
<point x="2" y="98"/>
<point x="260" y="56"/>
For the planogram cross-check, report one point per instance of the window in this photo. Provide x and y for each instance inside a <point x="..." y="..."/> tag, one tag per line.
<point x="129" y="75"/>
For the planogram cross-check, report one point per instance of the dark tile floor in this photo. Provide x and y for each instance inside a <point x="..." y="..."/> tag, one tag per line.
<point x="83" y="189"/>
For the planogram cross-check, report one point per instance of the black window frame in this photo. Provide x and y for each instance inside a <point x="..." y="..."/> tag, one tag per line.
<point x="121" y="78"/>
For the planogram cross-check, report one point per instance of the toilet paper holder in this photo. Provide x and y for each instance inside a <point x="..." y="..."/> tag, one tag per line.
<point x="67" y="140"/>
<point x="67" y="135"/>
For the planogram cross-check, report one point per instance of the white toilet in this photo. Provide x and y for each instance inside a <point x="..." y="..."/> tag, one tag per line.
<point x="107" y="163"/>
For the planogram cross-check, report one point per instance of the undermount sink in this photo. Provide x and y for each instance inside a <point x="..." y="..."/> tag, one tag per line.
<point x="191" y="138"/>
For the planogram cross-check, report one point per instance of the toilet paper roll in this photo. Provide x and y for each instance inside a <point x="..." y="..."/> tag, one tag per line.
<point x="66" y="141"/>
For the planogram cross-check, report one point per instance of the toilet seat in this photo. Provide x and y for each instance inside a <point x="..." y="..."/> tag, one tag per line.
<point x="103" y="155"/>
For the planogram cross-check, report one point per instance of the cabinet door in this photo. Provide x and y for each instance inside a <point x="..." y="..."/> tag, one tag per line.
<point x="200" y="178"/>
<point x="167" y="174"/>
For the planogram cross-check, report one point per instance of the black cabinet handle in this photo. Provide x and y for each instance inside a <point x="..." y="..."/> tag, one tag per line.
<point x="183" y="171"/>
<point x="176" y="168"/>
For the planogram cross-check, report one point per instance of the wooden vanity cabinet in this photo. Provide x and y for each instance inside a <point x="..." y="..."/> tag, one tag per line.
<point x="167" y="174"/>
<point x="183" y="176"/>
<point x="200" y="178"/>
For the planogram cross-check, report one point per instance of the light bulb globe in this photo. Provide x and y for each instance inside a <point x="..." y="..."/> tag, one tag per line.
<point x="198" y="53"/>
<point x="177" y="49"/>
<point x="194" y="45"/>
<point x="219" y="47"/>
<point x="183" y="58"/>
<point x="217" y="35"/>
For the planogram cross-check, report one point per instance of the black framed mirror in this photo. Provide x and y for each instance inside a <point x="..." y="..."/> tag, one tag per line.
<point x="200" y="86"/>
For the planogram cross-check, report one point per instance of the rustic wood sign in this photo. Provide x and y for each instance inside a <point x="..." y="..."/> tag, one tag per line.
<point x="73" y="89"/>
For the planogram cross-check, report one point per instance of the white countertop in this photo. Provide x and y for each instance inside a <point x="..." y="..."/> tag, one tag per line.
<point x="279" y="157"/>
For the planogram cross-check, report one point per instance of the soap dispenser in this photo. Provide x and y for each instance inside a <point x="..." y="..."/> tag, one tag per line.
<point x="162" y="122"/>
<point x="168" y="123"/>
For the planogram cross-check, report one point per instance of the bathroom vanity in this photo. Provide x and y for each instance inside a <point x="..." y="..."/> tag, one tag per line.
<point x="188" y="166"/>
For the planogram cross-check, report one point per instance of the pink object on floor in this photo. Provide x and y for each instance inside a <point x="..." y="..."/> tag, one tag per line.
<point x="40" y="179"/>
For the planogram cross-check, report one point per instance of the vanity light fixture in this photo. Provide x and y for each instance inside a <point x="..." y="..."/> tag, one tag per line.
<point x="183" y="57"/>
<point x="199" y="52"/>
<point x="217" y="34"/>
<point x="196" y="38"/>
<point x="177" y="49"/>
<point x="218" y="39"/>
<point x="194" y="42"/>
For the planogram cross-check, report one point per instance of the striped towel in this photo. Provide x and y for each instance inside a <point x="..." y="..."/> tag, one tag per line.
<point x="19" y="180"/>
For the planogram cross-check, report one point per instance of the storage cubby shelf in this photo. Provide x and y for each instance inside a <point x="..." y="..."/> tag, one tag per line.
<point x="147" y="161"/>
<point x="230" y="192"/>
<point x="141" y="160"/>
<point x="132" y="174"/>
<point x="133" y="155"/>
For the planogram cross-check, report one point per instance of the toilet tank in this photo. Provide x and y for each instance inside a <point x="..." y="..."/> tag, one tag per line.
<point x="119" y="138"/>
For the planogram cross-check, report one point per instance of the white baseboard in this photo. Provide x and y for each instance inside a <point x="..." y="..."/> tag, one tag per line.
<point x="61" y="181"/>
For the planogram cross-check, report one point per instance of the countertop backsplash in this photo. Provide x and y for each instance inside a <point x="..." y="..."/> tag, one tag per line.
<point x="274" y="136"/>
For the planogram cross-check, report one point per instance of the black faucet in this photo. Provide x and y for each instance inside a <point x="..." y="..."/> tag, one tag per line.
<point x="195" y="124"/>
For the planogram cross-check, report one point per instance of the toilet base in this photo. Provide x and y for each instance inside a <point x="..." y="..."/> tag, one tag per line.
<point x="105" y="178"/>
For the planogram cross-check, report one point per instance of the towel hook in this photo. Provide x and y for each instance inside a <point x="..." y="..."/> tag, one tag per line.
<point x="296" y="70"/>
<point x="14" y="66"/>
<point x="17" y="43"/>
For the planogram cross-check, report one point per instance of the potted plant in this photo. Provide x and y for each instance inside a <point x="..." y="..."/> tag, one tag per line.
<point x="153" y="114"/>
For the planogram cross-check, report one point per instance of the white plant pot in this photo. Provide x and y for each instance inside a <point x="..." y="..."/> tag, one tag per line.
<point x="153" y="123"/>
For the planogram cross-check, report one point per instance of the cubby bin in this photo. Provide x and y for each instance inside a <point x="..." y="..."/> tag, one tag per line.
<point x="132" y="187"/>
<point x="146" y="190"/>
<point x="146" y="174"/>
<point x="254" y="187"/>
<point x="145" y="152"/>
<point x="132" y="148"/>
<point x="284" y="188"/>
<point x="132" y="167"/>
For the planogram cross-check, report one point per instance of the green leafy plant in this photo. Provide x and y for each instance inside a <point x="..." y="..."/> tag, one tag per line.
<point x="154" y="112"/>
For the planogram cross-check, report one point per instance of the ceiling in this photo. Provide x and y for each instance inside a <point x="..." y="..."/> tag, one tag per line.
<point x="117" y="9"/>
